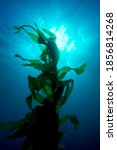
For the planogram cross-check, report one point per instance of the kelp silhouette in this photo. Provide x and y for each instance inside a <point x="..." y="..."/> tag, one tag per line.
<point x="50" y="90"/>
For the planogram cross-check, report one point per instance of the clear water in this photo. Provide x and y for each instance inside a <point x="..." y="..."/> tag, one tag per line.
<point x="81" y="20"/>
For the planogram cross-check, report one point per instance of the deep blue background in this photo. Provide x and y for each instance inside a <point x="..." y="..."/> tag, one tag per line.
<point x="81" y="19"/>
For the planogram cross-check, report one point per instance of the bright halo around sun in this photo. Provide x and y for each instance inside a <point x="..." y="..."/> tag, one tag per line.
<point x="62" y="39"/>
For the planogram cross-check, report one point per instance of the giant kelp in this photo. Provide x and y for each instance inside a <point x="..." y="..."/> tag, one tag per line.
<point x="49" y="89"/>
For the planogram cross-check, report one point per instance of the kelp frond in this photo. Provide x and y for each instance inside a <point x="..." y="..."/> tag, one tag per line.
<point x="48" y="89"/>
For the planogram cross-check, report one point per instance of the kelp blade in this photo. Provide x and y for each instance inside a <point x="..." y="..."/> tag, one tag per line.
<point x="73" y="119"/>
<point x="50" y="67"/>
<point x="81" y="69"/>
<point x="10" y="126"/>
<point x="69" y="87"/>
<point x="64" y="70"/>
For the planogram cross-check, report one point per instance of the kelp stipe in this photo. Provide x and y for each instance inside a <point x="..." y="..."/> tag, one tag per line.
<point x="41" y="125"/>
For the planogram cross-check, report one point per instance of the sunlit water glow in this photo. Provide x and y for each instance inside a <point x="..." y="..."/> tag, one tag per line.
<point x="62" y="39"/>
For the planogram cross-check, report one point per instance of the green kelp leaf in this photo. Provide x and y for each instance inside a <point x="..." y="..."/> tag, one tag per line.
<point x="69" y="87"/>
<point x="64" y="70"/>
<point x="53" y="50"/>
<point x="43" y="47"/>
<point x="81" y="69"/>
<point x="39" y="37"/>
<point x="38" y="97"/>
<point x="31" y="83"/>
<point x="51" y="67"/>
<point x="19" y="28"/>
<point x="17" y="128"/>
<point x="36" y="83"/>
<point x="19" y="133"/>
<point x="44" y="54"/>
<point x="40" y="80"/>
<point x="42" y="38"/>
<point x="51" y="34"/>
<point x="33" y="37"/>
<point x="45" y="84"/>
<point x="47" y="89"/>
<point x="59" y="90"/>
<point x="63" y="120"/>
<point x="33" y="86"/>
<point x="19" y="56"/>
<point x="10" y="126"/>
<point x="73" y="119"/>
<point x="39" y="84"/>
<point x="29" y="101"/>
<point x="21" y="130"/>
<point x="48" y="67"/>
<point x="29" y="60"/>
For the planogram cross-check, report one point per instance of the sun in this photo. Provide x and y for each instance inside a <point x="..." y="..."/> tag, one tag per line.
<point x="62" y="41"/>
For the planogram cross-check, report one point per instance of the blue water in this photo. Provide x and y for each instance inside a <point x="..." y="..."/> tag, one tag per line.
<point x="81" y="19"/>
